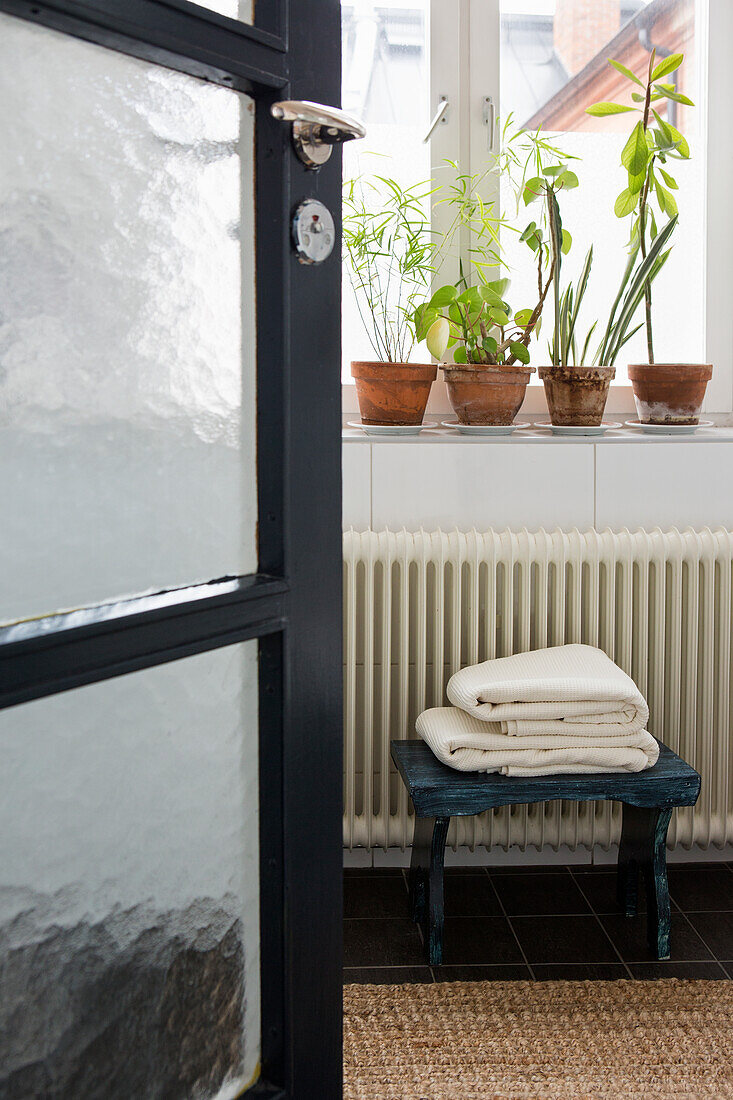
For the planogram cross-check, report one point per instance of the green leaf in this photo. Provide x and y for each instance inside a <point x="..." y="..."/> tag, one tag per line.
<point x="635" y="153"/>
<point x="669" y="180"/>
<point x="500" y="286"/>
<point x="519" y="351"/>
<point x="636" y="183"/>
<point x="554" y="170"/>
<point x="624" y="71"/>
<point x="528" y="232"/>
<point x="459" y="355"/>
<point x="669" y="92"/>
<point x="568" y="180"/>
<point x="665" y="131"/>
<point x="600" y="110"/>
<point x="499" y="317"/>
<point x="668" y="65"/>
<point x="638" y="97"/>
<point x="443" y="297"/>
<point x="423" y="318"/>
<point x="489" y="345"/>
<point x="625" y="204"/>
<point x="666" y="199"/>
<point x="533" y="189"/>
<point x="682" y="147"/>
<point x="567" y="241"/>
<point x="522" y="318"/>
<point x="490" y="296"/>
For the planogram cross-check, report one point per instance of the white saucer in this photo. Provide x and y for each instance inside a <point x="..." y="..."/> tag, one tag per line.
<point x="579" y="429"/>
<point x="390" y="429"/>
<point x="669" y="429"/>
<point x="483" y="429"/>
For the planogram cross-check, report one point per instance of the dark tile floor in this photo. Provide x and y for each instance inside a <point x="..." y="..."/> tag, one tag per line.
<point x="540" y="923"/>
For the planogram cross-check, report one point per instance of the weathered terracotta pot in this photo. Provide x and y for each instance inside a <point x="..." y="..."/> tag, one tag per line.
<point x="483" y="394"/>
<point x="393" y="393"/>
<point x="669" y="393"/>
<point x="576" y="396"/>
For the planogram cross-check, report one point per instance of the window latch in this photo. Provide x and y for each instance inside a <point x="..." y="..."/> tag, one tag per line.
<point x="441" y="115"/>
<point x="489" y="118"/>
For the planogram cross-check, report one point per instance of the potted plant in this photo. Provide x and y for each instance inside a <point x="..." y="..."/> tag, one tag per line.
<point x="389" y="257"/>
<point x="571" y="392"/>
<point x="576" y="392"/>
<point x="665" y="393"/>
<point x="488" y="377"/>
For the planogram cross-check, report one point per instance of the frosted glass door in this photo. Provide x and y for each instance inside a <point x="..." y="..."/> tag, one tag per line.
<point x="129" y="886"/>
<point x="127" y="336"/>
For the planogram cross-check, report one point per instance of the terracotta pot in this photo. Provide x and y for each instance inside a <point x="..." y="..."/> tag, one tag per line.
<point x="669" y="393"/>
<point x="483" y="394"/>
<point x="393" y="393"/>
<point x="576" y="395"/>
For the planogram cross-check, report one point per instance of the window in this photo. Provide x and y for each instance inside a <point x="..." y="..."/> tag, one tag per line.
<point x="545" y="61"/>
<point x="386" y="85"/>
<point x="553" y="65"/>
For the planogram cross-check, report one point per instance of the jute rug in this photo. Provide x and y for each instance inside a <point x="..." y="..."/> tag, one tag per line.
<point x="477" y="1040"/>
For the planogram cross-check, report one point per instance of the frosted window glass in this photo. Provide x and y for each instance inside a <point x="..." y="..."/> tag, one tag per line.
<point x="235" y="9"/>
<point x="127" y="342"/>
<point x="129" y="885"/>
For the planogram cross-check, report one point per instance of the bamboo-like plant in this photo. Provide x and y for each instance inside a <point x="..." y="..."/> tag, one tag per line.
<point x="652" y="143"/>
<point x="389" y="257"/>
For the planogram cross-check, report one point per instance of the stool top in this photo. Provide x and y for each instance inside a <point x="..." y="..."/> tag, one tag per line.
<point x="439" y="791"/>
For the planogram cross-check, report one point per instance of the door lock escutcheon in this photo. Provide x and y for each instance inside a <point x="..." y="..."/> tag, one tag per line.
<point x="317" y="128"/>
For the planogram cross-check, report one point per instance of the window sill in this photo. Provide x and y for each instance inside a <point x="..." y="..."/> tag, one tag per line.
<point x="719" y="433"/>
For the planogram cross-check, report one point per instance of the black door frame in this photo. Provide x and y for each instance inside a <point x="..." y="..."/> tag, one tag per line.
<point x="293" y="604"/>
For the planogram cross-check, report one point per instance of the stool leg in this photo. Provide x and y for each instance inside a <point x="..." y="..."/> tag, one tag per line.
<point x="420" y="866"/>
<point x="643" y="847"/>
<point x="627" y="873"/>
<point x="659" y="917"/>
<point x="426" y="881"/>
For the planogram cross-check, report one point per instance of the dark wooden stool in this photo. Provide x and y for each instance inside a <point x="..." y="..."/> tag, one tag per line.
<point x="439" y="793"/>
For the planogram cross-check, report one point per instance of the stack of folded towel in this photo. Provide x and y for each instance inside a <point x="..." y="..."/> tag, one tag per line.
<point x="565" y="709"/>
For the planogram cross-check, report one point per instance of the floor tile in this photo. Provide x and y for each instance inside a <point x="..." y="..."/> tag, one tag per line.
<point x="531" y="895"/>
<point x="652" y="970"/>
<point x="481" y="973"/>
<point x="629" y="938"/>
<point x="696" y="889"/>
<point x="717" y="931"/>
<point x="563" y="940"/>
<point x="387" y="975"/>
<point x="375" y="896"/>
<point x="580" y="972"/>
<point x="476" y="940"/>
<point x="470" y="896"/>
<point x="600" y="890"/>
<point x="530" y="869"/>
<point x="387" y="942"/>
<point x="372" y="872"/>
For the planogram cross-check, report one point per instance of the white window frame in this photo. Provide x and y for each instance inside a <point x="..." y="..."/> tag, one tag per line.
<point x="465" y="67"/>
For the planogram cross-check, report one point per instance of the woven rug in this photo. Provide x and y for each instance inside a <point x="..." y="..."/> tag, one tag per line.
<point x="476" y="1040"/>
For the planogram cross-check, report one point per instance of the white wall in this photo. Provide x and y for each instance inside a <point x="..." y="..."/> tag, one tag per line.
<point x="622" y="480"/>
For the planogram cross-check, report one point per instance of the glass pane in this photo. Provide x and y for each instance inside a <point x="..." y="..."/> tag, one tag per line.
<point x="235" y="9"/>
<point x="385" y="83"/>
<point x="127" y="376"/>
<point x="553" y="65"/>
<point x="129" y="891"/>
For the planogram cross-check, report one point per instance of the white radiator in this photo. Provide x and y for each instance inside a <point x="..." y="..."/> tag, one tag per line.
<point x="420" y="606"/>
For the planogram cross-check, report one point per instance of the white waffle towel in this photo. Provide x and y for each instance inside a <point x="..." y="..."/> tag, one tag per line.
<point x="470" y="745"/>
<point x="567" y="689"/>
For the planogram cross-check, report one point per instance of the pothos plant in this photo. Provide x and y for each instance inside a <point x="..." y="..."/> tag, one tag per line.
<point x="652" y="144"/>
<point x="477" y="319"/>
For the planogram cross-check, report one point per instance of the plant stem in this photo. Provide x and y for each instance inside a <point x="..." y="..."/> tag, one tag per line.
<point x="642" y="217"/>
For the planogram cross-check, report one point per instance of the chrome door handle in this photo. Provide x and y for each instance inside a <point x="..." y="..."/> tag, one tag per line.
<point x="317" y="128"/>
